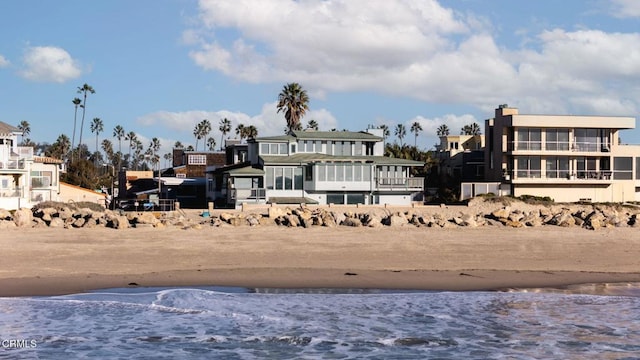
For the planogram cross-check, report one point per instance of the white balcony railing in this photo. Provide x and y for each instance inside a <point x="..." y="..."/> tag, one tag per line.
<point x="253" y="194"/>
<point x="401" y="183"/>
<point x="574" y="146"/>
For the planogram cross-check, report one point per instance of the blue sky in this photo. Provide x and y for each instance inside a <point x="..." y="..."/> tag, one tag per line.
<point x="161" y="66"/>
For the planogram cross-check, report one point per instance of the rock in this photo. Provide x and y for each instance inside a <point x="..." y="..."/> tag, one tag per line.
<point x="226" y="217"/>
<point x="78" y="223"/>
<point x="327" y="219"/>
<point x="275" y="212"/>
<point x="395" y="220"/>
<point x="564" y="219"/>
<point x="119" y="222"/>
<point x="5" y="215"/>
<point x="293" y="220"/>
<point x="253" y="220"/>
<point x="7" y="224"/>
<point x="23" y="217"/>
<point x="65" y="213"/>
<point x="501" y="213"/>
<point x="468" y="220"/>
<point x="56" y="222"/>
<point x="350" y="221"/>
<point x="146" y="218"/>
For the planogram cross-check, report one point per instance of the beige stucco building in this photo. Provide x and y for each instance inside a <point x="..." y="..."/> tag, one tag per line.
<point x="567" y="158"/>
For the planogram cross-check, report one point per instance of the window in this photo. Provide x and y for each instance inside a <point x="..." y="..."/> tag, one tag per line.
<point x="528" y="166"/>
<point x="331" y="172"/>
<point x="586" y="139"/>
<point x="279" y="178"/>
<point x="273" y="149"/>
<point x="586" y="168"/>
<point x="637" y="168"/>
<point x="337" y="148"/>
<point x="318" y="146"/>
<point x="269" y="178"/>
<point x="308" y="173"/>
<point x="339" y="172"/>
<point x="557" y="167"/>
<point x="348" y="172"/>
<point x="346" y="148"/>
<point x="288" y="178"/>
<point x="335" y="198"/>
<point x="357" y="172"/>
<point x="264" y="149"/>
<point x="283" y="149"/>
<point x="623" y="168"/>
<point x="293" y="148"/>
<point x="297" y="178"/>
<point x="358" y="148"/>
<point x="529" y="139"/>
<point x="197" y="160"/>
<point x="366" y="173"/>
<point x="557" y="139"/>
<point x="322" y="173"/>
<point x="353" y="199"/>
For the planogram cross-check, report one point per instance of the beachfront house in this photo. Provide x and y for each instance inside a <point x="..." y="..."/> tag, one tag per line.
<point x="25" y="179"/>
<point x="567" y="158"/>
<point x="317" y="167"/>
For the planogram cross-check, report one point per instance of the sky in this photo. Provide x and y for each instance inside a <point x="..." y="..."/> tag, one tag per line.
<point x="159" y="67"/>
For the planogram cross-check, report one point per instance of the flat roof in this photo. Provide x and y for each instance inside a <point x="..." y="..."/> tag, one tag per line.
<point x="574" y="121"/>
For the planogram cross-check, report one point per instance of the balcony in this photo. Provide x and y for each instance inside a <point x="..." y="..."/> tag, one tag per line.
<point x="561" y="177"/>
<point x="248" y="195"/>
<point x="573" y="147"/>
<point x="15" y="158"/>
<point x="400" y="184"/>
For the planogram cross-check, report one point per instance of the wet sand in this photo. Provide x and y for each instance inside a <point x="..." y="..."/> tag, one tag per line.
<point x="60" y="261"/>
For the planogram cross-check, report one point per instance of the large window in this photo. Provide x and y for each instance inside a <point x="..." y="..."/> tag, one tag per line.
<point x="557" y="139"/>
<point x="623" y="168"/>
<point x="586" y="139"/>
<point x="274" y="149"/>
<point x="529" y="139"/>
<point x="586" y="168"/>
<point x="557" y="167"/>
<point x="528" y="167"/>
<point x="283" y="178"/>
<point x="348" y="172"/>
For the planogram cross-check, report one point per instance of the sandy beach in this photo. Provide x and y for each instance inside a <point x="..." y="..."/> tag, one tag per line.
<point x="59" y="261"/>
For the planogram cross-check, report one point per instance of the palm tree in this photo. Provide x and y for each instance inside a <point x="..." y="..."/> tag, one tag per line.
<point x="443" y="130"/>
<point x="59" y="148"/>
<point x="251" y="132"/>
<point x="84" y="89"/>
<point x="240" y="131"/>
<point x="178" y="145"/>
<point x="400" y="132"/>
<point x="385" y="132"/>
<point x="25" y="127"/>
<point x="131" y="136"/>
<point x="137" y="154"/>
<point x="471" y="129"/>
<point x="76" y="102"/>
<point x="313" y="125"/>
<point x="225" y="128"/>
<point x="211" y="143"/>
<point x="97" y="127"/>
<point x="154" y="147"/>
<point x="167" y="157"/>
<point x="294" y="102"/>
<point x="107" y="147"/>
<point x="416" y="128"/>
<point x="118" y="133"/>
<point x="189" y="148"/>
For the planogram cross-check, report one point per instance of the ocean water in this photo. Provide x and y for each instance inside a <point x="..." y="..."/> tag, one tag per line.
<point x="218" y="323"/>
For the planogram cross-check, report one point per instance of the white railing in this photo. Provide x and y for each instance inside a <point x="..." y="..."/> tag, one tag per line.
<point x="559" y="146"/>
<point x="401" y="183"/>
<point x="253" y="194"/>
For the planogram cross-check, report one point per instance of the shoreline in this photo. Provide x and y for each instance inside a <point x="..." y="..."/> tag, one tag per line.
<point x="62" y="261"/>
<point x="608" y="284"/>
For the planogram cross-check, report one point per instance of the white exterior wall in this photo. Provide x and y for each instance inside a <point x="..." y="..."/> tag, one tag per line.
<point x="395" y="199"/>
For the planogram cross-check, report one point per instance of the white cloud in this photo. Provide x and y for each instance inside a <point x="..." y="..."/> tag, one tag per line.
<point x="4" y="62"/>
<point x="625" y="8"/>
<point x="417" y="49"/>
<point x="49" y="64"/>
<point x="268" y="122"/>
